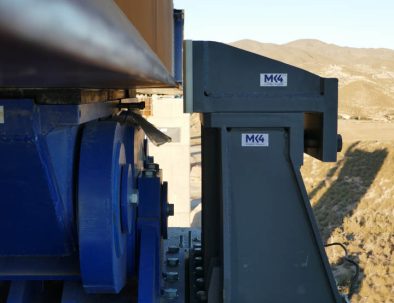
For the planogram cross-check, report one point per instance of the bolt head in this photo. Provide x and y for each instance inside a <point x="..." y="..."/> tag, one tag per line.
<point x="198" y="261"/>
<point x="197" y="245"/>
<point x="134" y="198"/>
<point x="172" y="262"/>
<point x="202" y="295"/>
<point x="152" y="166"/>
<point x="200" y="282"/>
<point x="197" y="251"/>
<point x="170" y="209"/>
<point x="199" y="271"/>
<point x="149" y="173"/>
<point x="170" y="293"/>
<point x="171" y="276"/>
<point x="172" y="249"/>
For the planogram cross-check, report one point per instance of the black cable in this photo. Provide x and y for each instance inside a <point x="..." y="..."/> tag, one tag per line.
<point x="354" y="280"/>
<point x="338" y="244"/>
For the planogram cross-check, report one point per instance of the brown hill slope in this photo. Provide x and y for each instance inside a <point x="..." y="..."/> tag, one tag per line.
<point x="366" y="76"/>
<point x="353" y="204"/>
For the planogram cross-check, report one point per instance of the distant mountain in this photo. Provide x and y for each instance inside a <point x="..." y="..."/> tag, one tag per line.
<point x="366" y="76"/>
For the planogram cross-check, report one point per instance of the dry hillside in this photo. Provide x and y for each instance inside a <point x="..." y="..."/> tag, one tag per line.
<point x="353" y="201"/>
<point x="366" y="76"/>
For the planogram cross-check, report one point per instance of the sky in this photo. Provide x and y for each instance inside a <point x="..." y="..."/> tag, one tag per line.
<point x="355" y="23"/>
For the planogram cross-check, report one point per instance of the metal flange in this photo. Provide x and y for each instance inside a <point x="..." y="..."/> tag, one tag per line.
<point x="102" y="240"/>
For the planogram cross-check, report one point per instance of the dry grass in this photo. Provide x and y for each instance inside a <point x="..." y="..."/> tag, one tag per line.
<point x="353" y="202"/>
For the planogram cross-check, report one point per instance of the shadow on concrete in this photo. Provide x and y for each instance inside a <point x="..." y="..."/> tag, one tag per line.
<point x="196" y="213"/>
<point x="196" y="222"/>
<point x="195" y="164"/>
<point x="194" y="203"/>
<point x="358" y="171"/>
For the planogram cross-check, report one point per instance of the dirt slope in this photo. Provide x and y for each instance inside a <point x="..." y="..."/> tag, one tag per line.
<point x="353" y="204"/>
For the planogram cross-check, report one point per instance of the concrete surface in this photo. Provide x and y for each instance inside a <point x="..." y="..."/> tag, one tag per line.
<point x="174" y="157"/>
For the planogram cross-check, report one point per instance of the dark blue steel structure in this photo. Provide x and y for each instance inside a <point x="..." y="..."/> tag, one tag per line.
<point x="83" y="208"/>
<point x="178" y="41"/>
<point x="81" y="203"/>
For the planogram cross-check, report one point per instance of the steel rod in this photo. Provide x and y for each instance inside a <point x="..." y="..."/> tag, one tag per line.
<point x="74" y="43"/>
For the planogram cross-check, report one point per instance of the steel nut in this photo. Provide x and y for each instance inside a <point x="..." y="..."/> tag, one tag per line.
<point x="172" y="249"/>
<point x="172" y="262"/>
<point x="170" y="293"/>
<point x="171" y="276"/>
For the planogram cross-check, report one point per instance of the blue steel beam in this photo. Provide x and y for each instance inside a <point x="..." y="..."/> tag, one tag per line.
<point x="24" y="291"/>
<point x="178" y="44"/>
<point x="149" y="235"/>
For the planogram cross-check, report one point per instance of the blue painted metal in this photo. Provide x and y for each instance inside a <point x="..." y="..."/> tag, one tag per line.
<point x="149" y="188"/>
<point x="149" y="264"/>
<point x="126" y="191"/>
<point x="178" y="44"/>
<point x="134" y="141"/>
<point x="32" y="198"/>
<point x="38" y="151"/>
<point x="66" y="185"/>
<point x="25" y="292"/>
<point x="38" y="146"/>
<point x="99" y="208"/>
<point x="73" y="292"/>
<point x="149" y="235"/>
<point x="107" y="219"/>
<point x="164" y="214"/>
<point x="39" y="268"/>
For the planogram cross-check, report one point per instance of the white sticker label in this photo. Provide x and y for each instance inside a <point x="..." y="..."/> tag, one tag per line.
<point x="1" y="114"/>
<point x="255" y="140"/>
<point x="273" y="80"/>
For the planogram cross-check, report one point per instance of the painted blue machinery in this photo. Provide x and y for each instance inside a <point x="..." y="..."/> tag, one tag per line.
<point x="82" y="202"/>
<point x="83" y="208"/>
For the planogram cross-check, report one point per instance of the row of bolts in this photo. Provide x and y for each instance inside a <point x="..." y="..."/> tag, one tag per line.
<point x="173" y="276"/>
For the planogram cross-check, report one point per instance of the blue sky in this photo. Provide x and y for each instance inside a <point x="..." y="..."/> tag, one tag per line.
<point x="356" y="23"/>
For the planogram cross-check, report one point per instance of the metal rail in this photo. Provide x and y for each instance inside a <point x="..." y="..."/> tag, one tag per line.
<point x="74" y="43"/>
